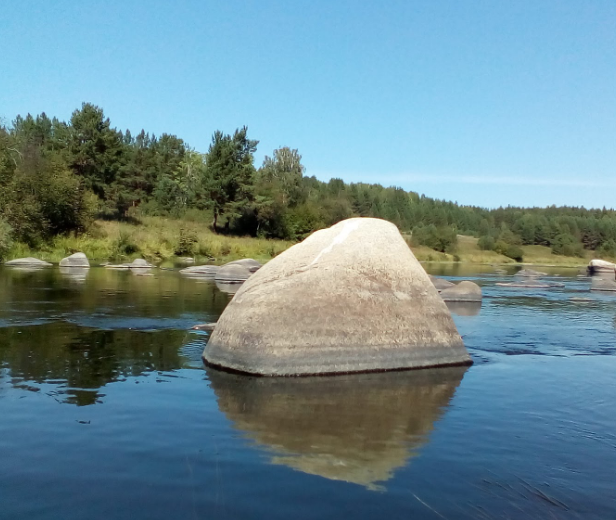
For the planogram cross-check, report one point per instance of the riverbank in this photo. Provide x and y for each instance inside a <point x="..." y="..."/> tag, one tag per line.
<point x="159" y="239"/>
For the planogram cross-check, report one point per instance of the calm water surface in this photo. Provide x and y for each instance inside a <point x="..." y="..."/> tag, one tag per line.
<point x="107" y="412"/>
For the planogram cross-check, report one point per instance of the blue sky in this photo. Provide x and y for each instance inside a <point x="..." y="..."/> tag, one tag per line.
<point x="481" y="102"/>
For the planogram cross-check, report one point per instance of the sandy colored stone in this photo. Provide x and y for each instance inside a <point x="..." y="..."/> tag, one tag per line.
<point x="347" y="299"/>
<point x="465" y="291"/>
<point x="75" y="260"/>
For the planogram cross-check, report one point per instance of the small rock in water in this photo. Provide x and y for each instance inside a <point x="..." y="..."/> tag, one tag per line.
<point x="75" y="260"/>
<point x="27" y="262"/>
<point x="463" y="292"/>
<point x="238" y="271"/>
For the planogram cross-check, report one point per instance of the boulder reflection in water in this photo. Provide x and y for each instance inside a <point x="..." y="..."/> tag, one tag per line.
<point x="357" y="428"/>
<point x="464" y="308"/>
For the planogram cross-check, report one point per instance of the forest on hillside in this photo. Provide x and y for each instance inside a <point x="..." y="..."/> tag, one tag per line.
<point x="58" y="177"/>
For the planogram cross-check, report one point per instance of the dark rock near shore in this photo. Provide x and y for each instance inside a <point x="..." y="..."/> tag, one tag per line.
<point x="350" y="298"/>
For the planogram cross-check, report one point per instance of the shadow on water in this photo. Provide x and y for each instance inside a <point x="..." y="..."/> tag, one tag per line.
<point x="72" y="363"/>
<point x="356" y="428"/>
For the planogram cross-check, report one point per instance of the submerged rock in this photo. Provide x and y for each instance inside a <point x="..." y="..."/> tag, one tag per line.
<point x="238" y="271"/>
<point x="27" y="262"/>
<point x="350" y="298"/>
<point x="531" y="284"/>
<point x="463" y="292"/>
<point x="75" y="260"/>
<point x="202" y="271"/>
<point x="138" y="263"/>
<point x="204" y="326"/>
<point x="530" y="273"/>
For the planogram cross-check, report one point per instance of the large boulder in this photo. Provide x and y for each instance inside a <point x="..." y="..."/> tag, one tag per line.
<point x="27" y="262"/>
<point x="75" y="260"/>
<point x="463" y="292"/>
<point x="350" y="298"/>
<point x="238" y="271"/>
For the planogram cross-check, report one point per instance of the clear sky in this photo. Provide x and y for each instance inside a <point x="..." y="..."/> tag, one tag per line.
<point x="481" y="102"/>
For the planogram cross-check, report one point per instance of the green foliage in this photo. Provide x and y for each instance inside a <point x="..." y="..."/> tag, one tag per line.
<point x="187" y="243"/>
<point x="510" y="250"/>
<point x="124" y="246"/>
<point x="486" y="243"/>
<point x="441" y="239"/>
<point x="566" y="245"/>
<point x="6" y="238"/>
<point x="229" y="174"/>
<point x="607" y="249"/>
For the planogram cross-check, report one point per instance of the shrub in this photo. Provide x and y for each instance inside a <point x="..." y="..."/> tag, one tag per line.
<point x="187" y="242"/>
<point x="6" y="238"/>
<point x="486" y="243"/>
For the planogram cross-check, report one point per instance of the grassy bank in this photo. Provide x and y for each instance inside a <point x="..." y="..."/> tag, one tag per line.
<point x="157" y="239"/>
<point x="468" y="252"/>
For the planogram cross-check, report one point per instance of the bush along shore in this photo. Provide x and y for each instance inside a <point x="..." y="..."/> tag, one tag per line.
<point x="83" y="185"/>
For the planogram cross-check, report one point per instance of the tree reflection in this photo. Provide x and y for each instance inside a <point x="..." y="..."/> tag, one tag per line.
<point x="79" y="361"/>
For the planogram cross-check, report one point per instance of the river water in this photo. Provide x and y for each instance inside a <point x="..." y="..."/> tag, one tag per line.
<point x="106" y="411"/>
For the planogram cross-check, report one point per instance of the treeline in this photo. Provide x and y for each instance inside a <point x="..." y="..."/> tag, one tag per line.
<point x="57" y="177"/>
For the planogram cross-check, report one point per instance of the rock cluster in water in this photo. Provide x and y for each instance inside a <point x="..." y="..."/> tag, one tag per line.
<point x="349" y="298"/>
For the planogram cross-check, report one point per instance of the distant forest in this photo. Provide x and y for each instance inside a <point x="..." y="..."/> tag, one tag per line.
<point x="57" y="177"/>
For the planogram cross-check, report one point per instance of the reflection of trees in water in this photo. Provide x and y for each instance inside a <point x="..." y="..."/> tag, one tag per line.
<point x="163" y="293"/>
<point x="357" y="428"/>
<point x="80" y="361"/>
